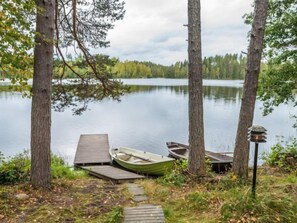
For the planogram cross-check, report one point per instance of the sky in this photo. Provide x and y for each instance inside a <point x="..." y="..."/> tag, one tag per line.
<point x="153" y="30"/>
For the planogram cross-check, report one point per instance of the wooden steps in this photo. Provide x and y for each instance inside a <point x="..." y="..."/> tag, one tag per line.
<point x="144" y="214"/>
<point x="112" y="173"/>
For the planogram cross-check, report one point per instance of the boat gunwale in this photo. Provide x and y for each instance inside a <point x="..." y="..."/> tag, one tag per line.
<point x="217" y="156"/>
<point x="166" y="159"/>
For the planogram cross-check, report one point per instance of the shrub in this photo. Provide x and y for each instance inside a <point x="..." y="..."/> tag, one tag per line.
<point x="283" y="156"/>
<point x="175" y="177"/>
<point x="15" y="169"/>
<point x="60" y="169"/>
<point x="172" y="178"/>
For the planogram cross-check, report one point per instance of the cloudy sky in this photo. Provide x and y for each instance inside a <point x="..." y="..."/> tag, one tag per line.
<point x="152" y="30"/>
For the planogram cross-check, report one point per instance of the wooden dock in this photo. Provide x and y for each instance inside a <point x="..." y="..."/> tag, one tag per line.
<point x="92" y="150"/>
<point x="92" y="155"/>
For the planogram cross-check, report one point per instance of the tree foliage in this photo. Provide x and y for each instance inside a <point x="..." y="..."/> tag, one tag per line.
<point x="229" y="66"/>
<point x="79" y="27"/>
<point x="85" y="24"/>
<point x="278" y="84"/>
<point x="16" y="39"/>
<point x="77" y="94"/>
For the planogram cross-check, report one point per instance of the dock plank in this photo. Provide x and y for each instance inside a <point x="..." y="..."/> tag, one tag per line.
<point x="144" y="213"/>
<point x="92" y="149"/>
<point x="112" y="173"/>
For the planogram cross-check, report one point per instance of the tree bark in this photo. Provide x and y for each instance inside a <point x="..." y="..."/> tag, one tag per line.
<point x="41" y="99"/>
<point x="241" y="151"/>
<point x="196" y="160"/>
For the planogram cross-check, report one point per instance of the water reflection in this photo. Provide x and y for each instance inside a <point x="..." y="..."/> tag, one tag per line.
<point x="227" y="94"/>
<point x="183" y="90"/>
<point x="210" y="92"/>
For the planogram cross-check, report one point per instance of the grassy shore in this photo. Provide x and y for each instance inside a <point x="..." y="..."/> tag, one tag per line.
<point x="79" y="200"/>
<point x="226" y="199"/>
<point x="220" y="198"/>
<point x="76" y="197"/>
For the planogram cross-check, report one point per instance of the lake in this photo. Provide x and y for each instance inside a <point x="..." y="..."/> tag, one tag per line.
<point x="154" y="112"/>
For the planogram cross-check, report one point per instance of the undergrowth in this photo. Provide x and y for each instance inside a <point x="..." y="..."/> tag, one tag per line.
<point x="226" y="198"/>
<point x="114" y="216"/>
<point x="176" y="176"/>
<point x="266" y="208"/>
<point x="283" y="156"/>
<point x="179" y="176"/>
<point x="17" y="168"/>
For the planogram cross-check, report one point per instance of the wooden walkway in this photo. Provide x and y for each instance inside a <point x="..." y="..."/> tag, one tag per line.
<point x="112" y="173"/>
<point x="144" y="213"/>
<point x="92" y="155"/>
<point x="92" y="150"/>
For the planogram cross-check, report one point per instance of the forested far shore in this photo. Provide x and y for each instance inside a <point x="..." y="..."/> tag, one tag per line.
<point x="229" y="66"/>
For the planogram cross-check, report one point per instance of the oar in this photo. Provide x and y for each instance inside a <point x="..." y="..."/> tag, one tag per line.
<point x="139" y="157"/>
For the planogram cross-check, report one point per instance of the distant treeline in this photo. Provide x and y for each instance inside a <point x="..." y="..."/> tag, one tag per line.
<point x="229" y="66"/>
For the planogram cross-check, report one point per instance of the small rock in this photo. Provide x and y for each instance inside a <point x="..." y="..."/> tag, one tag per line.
<point x="21" y="196"/>
<point x="1" y="216"/>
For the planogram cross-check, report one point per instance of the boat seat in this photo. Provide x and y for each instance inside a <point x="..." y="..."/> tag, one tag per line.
<point x="123" y="156"/>
<point x="139" y="161"/>
<point x="177" y="148"/>
<point x="136" y="161"/>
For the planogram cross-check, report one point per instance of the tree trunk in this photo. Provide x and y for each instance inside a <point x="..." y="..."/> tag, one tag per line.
<point x="196" y="163"/>
<point x="241" y="151"/>
<point x="41" y="99"/>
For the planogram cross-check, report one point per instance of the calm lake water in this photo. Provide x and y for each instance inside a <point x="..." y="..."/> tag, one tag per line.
<point x="154" y="112"/>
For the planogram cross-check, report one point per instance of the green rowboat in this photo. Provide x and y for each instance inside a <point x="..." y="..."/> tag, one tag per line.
<point x="140" y="161"/>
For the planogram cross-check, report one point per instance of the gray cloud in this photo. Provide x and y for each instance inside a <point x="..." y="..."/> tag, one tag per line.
<point x="153" y="30"/>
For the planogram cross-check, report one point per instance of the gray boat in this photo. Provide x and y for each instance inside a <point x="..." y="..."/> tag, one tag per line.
<point x="220" y="162"/>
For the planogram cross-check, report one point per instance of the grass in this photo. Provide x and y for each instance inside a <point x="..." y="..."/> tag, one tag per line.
<point x="226" y="199"/>
<point x="219" y="199"/>
<point x="79" y="200"/>
<point x="73" y="197"/>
